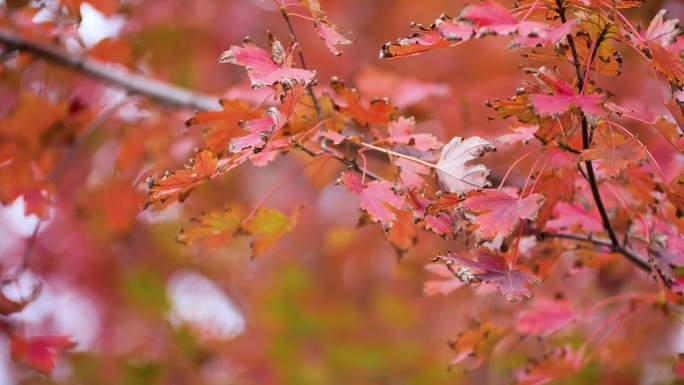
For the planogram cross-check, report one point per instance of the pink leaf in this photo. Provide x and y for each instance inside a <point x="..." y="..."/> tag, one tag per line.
<point x="491" y="268"/>
<point x="262" y="69"/>
<point x="498" y="213"/>
<point x="545" y="316"/>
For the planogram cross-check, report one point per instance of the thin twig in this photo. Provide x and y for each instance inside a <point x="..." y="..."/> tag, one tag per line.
<point x="309" y="88"/>
<point x="135" y="84"/>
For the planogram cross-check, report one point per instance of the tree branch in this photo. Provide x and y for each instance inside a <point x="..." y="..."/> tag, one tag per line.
<point x="140" y="85"/>
<point x="634" y="258"/>
<point x="136" y="84"/>
<point x="586" y="140"/>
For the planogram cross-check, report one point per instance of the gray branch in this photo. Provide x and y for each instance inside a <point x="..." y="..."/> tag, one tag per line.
<point x="135" y="84"/>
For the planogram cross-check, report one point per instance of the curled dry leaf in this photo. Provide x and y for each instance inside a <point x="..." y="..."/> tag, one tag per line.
<point x="453" y="169"/>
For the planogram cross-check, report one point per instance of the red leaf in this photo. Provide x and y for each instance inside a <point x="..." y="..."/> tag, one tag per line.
<point x="561" y="362"/>
<point x="563" y="96"/>
<point x="380" y="111"/>
<point x="476" y="344"/>
<point x="545" y="316"/>
<point x="491" y="268"/>
<point x="402" y="90"/>
<point x="411" y="173"/>
<point x="331" y="35"/>
<point x="614" y="157"/>
<point x="475" y="21"/>
<point x="568" y="215"/>
<point x="259" y="129"/>
<point x="177" y="185"/>
<point x="266" y="69"/>
<point x="221" y="126"/>
<point x="376" y="198"/>
<point x="401" y="132"/>
<point x="521" y="134"/>
<point x="443" y="286"/>
<point x="498" y="213"/>
<point x="40" y="352"/>
<point x="663" y="45"/>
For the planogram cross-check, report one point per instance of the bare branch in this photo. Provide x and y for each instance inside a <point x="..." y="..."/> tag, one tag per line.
<point x="135" y="84"/>
<point x="634" y="258"/>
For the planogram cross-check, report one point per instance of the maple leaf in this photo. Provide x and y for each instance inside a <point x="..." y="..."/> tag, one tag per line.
<point x="178" y="184"/>
<point x="490" y="17"/>
<point x="402" y="234"/>
<point x="266" y="69"/>
<point x="560" y="363"/>
<point x="453" y="170"/>
<point x="562" y="97"/>
<point x="411" y="173"/>
<point x="663" y="44"/>
<point x="380" y="111"/>
<point x="434" y="220"/>
<point x="557" y="184"/>
<point x="670" y="131"/>
<point x="594" y="29"/>
<point x="325" y="29"/>
<point x="445" y="202"/>
<point x="568" y="215"/>
<point x="475" y="21"/>
<point x="497" y="213"/>
<point x="211" y="224"/>
<point x="259" y="129"/>
<point x="268" y="226"/>
<point x="616" y="156"/>
<point x="422" y="40"/>
<point x="522" y="134"/>
<point x="401" y="132"/>
<point x="39" y="352"/>
<point x="476" y="344"/>
<point x="491" y="268"/>
<point x="377" y="198"/>
<point x="545" y="316"/>
<point x="331" y="35"/>
<point x="223" y="125"/>
<point x="444" y="286"/>
<point x="402" y="90"/>
<point x="266" y="155"/>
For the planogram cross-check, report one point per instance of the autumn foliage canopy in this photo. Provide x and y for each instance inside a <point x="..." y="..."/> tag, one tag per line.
<point x="493" y="197"/>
